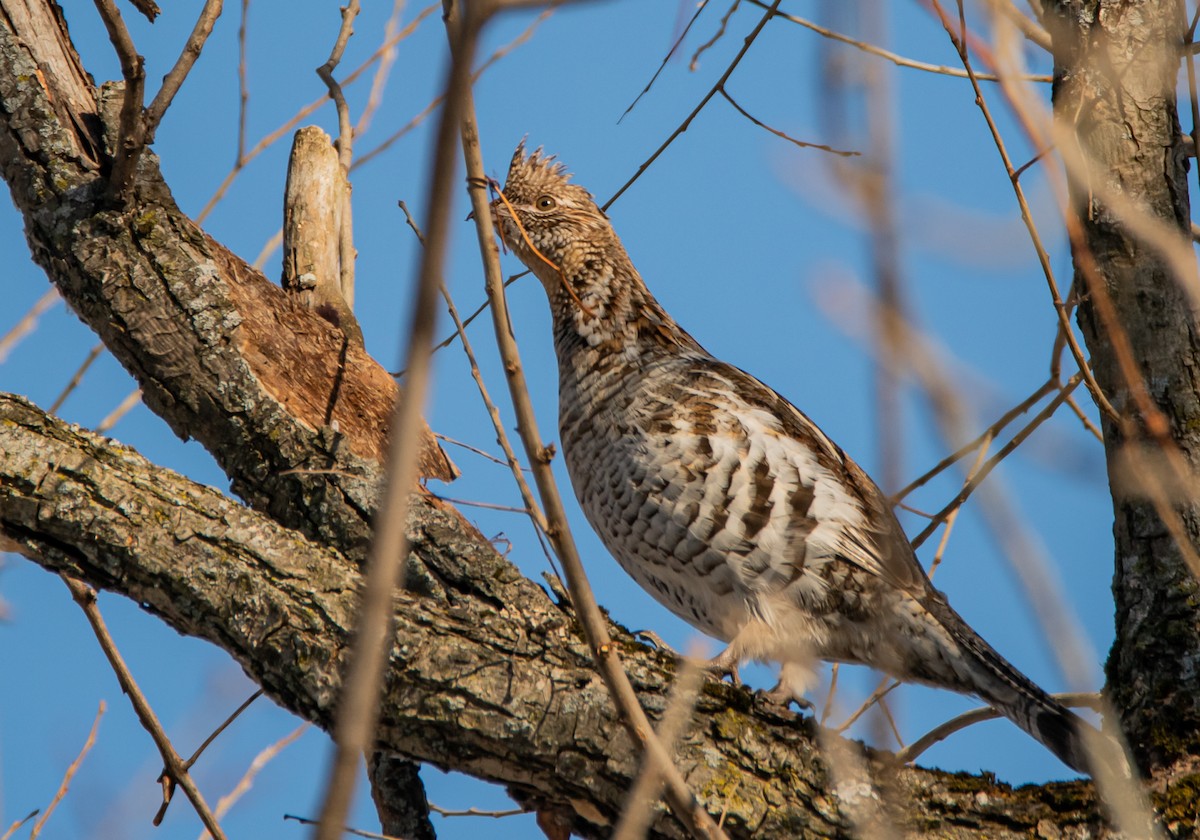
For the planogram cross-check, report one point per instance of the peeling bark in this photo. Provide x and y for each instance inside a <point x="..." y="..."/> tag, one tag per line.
<point x="224" y="356"/>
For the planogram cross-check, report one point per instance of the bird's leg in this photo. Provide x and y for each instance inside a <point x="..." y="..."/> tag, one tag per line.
<point x="720" y="666"/>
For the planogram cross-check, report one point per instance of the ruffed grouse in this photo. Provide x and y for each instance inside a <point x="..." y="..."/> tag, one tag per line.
<point x="721" y="498"/>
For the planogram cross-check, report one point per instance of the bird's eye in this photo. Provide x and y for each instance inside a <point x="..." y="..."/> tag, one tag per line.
<point x="545" y="202"/>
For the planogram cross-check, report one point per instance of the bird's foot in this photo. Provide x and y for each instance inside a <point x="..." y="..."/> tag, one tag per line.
<point x="781" y="696"/>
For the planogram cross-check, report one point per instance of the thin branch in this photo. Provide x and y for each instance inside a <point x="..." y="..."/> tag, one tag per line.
<point x="1000" y="455"/>
<point x="132" y="129"/>
<point x="92" y="355"/>
<point x="236" y="714"/>
<point x="243" y="89"/>
<point x="675" y="46"/>
<point x="898" y="60"/>
<point x="357" y="832"/>
<point x="1060" y="310"/>
<point x="325" y="71"/>
<point x="886" y="686"/>
<point x="988" y="433"/>
<point x="358" y="707"/>
<point x="531" y="505"/>
<point x="801" y="143"/>
<point x="28" y="322"/>
<point x="480" y="452"/>
<point x="134" y="397"/>
<point x="175" y="770"/>
<point x="264" y="757"/>
<point x="945" y="730"/>
<point x="12" y="829"/>
<point x="345" y="147"/>
<point x="774" y="7"/>
<point x="70" y="774"/>
<point x="174" y="79"/>
<point x="382" y="71"/>
<point x="703" y="48"/>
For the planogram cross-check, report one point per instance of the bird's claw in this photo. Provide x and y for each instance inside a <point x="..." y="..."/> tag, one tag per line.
<point x="780" y="696"/>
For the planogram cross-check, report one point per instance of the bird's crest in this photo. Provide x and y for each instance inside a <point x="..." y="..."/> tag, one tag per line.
<point x="529" y="175"/>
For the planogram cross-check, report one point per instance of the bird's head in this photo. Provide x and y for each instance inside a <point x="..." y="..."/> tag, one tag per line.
<point x="552" y="225"/>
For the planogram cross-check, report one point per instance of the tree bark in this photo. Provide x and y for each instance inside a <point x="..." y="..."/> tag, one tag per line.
<point x="1116" y="68"/>
<point x="487" y="675"/>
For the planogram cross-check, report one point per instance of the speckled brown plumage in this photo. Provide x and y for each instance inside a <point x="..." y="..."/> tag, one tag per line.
<point x="721" y="498"/>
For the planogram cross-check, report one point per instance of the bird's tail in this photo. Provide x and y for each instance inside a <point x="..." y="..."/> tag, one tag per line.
<point x="1019" y="699"/>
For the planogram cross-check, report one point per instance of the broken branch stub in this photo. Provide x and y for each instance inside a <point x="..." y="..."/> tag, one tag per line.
<point x="315" y="204"/>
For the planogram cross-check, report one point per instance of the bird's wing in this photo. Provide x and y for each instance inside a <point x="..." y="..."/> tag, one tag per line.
<point x="847" y="516"/>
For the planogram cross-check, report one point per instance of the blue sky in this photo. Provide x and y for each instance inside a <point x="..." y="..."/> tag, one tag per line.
<point x="753" y="244"/>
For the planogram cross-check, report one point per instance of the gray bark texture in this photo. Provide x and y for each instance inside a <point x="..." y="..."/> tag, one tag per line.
<point x="488" y="675"/>
<point x="1117" y="64"/>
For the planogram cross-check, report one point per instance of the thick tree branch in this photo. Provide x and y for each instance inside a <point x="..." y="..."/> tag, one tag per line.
<point x="487" y="675"/>
<point x="273" y="391"/>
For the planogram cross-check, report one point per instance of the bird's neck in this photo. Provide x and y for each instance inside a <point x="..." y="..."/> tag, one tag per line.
<point x="604" y="313"/>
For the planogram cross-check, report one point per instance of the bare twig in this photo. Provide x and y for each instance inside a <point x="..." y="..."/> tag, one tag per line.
<point x="357" y="832"/>
<point x="960" y="44"/>
<point x="216" y="732"/>
<point x="243" y="89"/>
<point x="382" y="71"/>
<point x="1000" y="455"/>
<point x="325" y="71"/>
<point x="945" y="730"/>
<point x="132" y="120"/>
<point x="696" y="111"/>
<point x="28" y="322"/>
<point x="70" y="774"/>
<point x="260" y="761"/>
<point x="358" y="707"/>
<point x="12" y="829"/>
<point x="886" y="686"/>
<point x="175" y="771"/>
<point x="134" y="397"/>
<point x="92" y="355"/>
<point x="898" y="60"/>
<point x="804" y="144"/>
<point x="531" y="505"/>
<point x="703" y="48"/>
<point x="700" y="7"/>
<point x="480" y="452"/>
<point x="173" y="81"/>
<point x="987" y="434"/>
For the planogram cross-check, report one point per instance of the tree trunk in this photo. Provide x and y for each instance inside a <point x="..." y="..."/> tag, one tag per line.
<point x="1116" y="70"/>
